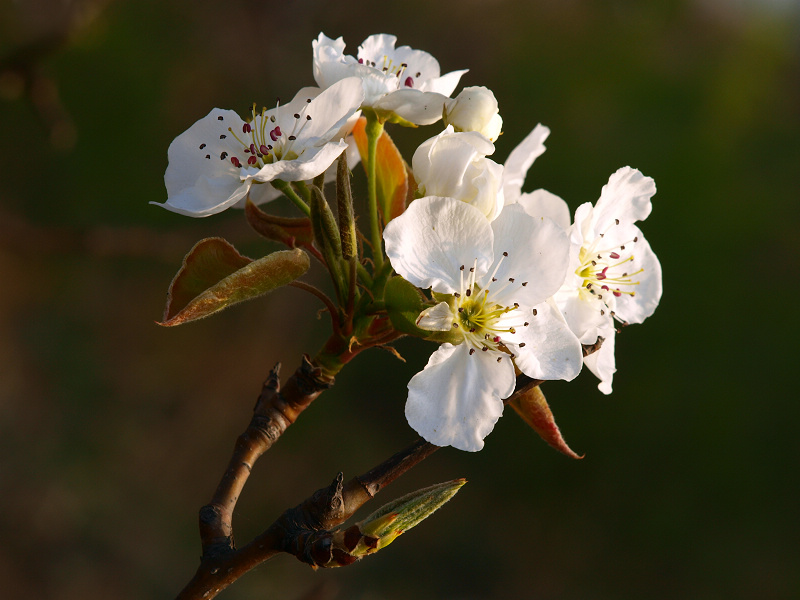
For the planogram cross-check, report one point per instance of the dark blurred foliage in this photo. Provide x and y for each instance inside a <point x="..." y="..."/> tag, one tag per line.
<point x="114" y="431"/>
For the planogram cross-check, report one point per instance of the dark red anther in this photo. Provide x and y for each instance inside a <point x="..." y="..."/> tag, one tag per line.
<point x="263" y="149"/>
<point x="614" y="255"/>
<point x="496" y="339"/>
<point x="617" y="293"/>
<point x="253" y="149"/>
<point x="605" y="287"/>
<point x="235" y="161"/>
<point x="275" y="134"/>
<point x="409" y="82"/>
<point x="252" y="160"/>
<point x="246" y="128"/>
<point x="361" y="61"/>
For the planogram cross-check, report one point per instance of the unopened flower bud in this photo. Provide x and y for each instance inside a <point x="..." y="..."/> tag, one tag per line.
<point x="474" y="109"/>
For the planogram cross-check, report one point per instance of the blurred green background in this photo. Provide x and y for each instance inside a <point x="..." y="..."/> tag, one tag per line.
<point x="113" y="431"/>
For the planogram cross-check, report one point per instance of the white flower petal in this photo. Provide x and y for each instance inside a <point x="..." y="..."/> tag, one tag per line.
<point x="538" y="255"/>
<point x="457" y="399"/>
<point x="415" y="106"/>
<point x="436" y="318"/>
<point x="200" y="178"/>
<point x="328" y="64"/>
<point x="520" y="160"/>
<point x="602" y="362"/>
<point x="626" y="197"/>
<point x="551" y="350"/>
<point x="207" y="197"/>
<point x="445" y="84"/>
<point x="433" y="238"/>
<point x="313" y="162"/>
<point x="647" y="294"/>
<point x="583" y="315"/>
<point x="541" y="203"/>
<point x="331" y="109"/>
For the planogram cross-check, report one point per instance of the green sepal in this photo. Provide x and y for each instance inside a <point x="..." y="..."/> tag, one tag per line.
<point x="403" y="303"/>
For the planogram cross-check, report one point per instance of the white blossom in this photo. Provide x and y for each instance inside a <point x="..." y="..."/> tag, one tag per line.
<point x="613" y="277"/>
<point x="500" y="276"/>
<point x="402" y="81"/>
<point x="216" y="162"/>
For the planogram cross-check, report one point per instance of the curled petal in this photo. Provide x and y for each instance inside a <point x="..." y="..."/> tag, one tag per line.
<point x="436" y="318"/>
<point x="207" y="197"/>
<point x="626" y="197"/>
<point x="457" y="399"/>
<point x="602" y="362"/>
<point x="520" y="160"/>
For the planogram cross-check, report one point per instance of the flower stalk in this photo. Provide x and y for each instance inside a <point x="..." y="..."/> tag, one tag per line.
<point x="374" y="129"/>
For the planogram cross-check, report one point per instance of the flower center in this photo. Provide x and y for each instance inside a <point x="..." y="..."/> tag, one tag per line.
<point x="387" y="65"/>
<point x="261" y="141"/>
<point x="483" y="321"/>
<point x="604" y="269"/>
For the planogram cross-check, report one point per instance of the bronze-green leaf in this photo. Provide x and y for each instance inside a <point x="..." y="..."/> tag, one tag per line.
<point x="214" y="276"/>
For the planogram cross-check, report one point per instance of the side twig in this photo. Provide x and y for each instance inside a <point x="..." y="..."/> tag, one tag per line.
<point x="305" y="530"/>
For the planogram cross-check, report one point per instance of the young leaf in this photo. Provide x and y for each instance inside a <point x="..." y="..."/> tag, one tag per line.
<point x="394" y="176"/>
<point x="214" y="276"/>
<point x="532" y="406"/>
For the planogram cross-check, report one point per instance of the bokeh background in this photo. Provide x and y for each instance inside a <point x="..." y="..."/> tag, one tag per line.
<point x="113" y="431"/>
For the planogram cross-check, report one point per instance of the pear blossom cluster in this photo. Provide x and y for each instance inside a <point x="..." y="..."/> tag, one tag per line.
<point x="514" y="283"/>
